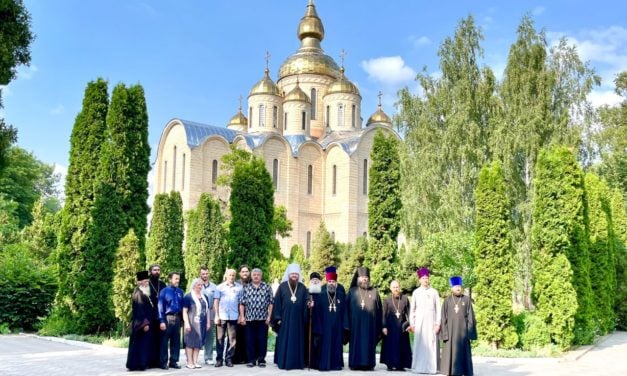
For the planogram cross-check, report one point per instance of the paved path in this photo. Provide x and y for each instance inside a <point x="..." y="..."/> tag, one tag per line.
<point x="30" y="355"/>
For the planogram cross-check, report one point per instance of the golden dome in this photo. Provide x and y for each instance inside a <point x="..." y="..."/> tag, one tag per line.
<point x="265" y="86"/>
<point x="342" y="85"/>
<point x="297" y="94"/>
<point x="238" y="119"/>
<point x="310" y="58"/>
<point x="379" y="117"/>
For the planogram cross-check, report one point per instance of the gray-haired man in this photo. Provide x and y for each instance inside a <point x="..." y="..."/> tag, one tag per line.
<point x="208" y="291"/>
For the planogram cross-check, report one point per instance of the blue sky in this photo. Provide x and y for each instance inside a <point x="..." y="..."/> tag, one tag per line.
<point x="195" y="58"/>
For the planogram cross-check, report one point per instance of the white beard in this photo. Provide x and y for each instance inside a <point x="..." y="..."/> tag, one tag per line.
<point x="145" y="290"/>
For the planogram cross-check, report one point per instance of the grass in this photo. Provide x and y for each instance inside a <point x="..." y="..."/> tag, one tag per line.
<point x="484" y="349"/>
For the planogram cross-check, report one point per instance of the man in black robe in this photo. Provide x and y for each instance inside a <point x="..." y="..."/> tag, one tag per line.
<point x="311" y="339"/>
<point x="156" y="285"/>
<point x="328" y="324"/>
<point x="289" y="317"/>
<point x="458" y="328"/>
<point x="395" y="349"/>
<point x="363" y="320"/>
<point x="139" y="347"/>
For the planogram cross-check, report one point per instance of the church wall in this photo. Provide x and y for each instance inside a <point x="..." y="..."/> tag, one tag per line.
<point x="175" y="138"/>
<point x="212" y="149"/>
<point x="347" y="100"/>
<point x="269" y="101"/>
<point x="336" y="205"/>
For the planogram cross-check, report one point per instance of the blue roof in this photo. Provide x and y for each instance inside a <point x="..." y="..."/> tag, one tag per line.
<point x="348" y="140"/>
<point x="197" y="133"/>
<point x="296" y="141"/>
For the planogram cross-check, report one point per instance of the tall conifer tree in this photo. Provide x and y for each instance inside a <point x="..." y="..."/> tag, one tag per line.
<point x="127" y="263"/>
<point x="493" y="259"/>
<point x="165" y="238"/>
<point x="561" y="263"/>
<point x="619" y="237"/>
<point x="323" y="250"/>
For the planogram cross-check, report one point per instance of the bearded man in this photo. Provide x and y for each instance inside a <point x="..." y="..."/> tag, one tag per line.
<point x="139" y="347"/>
<point x="156" y="285"/>
<point x="328" y="323"/>
<point x="363" y="320"/>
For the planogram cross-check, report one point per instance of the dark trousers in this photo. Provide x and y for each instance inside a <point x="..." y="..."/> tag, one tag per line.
<point x="256" y="341"/>
<point x="172" y="336"/>
<point x="226" y="327"/>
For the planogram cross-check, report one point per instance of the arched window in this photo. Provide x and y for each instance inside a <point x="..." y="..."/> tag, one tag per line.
<point x="262" y="115"/>
<point x="340" y="115"/>
<point x="214" y="173"/>
<point x="334" y="179"/>
<point x="328" y="115"/>
<point x="303" y="120"/>
<point x="353" y="116"/>
<point x="309" y="179"/>
<point x="365" y="178"/>
<point x="165" y="175"/>
<point x="250" y="117"/>
<point x="365" y="234"/>
<point x="183" y="174"/>
<point x="314" y="103"/>
<point x="333" y="235"/>
<point x="174" y="169"/>
<point x="275" y="174"/>
<point x="275" y="116"/>
<point x="308" y="245"/>
<point x="285" y="121"/>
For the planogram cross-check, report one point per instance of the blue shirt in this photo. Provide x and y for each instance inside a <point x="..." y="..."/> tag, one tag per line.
<point x="228" y="297"/>
<point x="170" y="302"/>
<point x="208" y="291"/>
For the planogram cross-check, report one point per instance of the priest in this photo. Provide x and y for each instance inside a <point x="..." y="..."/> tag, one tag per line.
<point x="458" y="328"/>
<point x="289" y="318"/>
<point x="424" y="317"/>
<point x="396" y="350"/>
<point x="363" y="320"/>
<point x="139" y="347"/>
<point x="328" y="323"/>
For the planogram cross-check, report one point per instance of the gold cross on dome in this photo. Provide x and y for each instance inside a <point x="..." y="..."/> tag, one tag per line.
<point x="342" y="56"/>
<point x="267" y="59"/>
<point x="380" y="95"/>
<point x="240" y="102"/>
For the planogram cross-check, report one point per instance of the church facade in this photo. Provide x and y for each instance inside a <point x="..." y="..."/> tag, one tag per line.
<point x="307" y="126"/>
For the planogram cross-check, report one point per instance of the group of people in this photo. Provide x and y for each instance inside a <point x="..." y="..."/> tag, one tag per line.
<point x="311" y="324"/>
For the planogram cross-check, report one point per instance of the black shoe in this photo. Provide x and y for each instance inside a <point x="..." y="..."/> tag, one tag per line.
<point x="229" y="363"/>
<point x="250" y="365"/>
<point x="175" y="366"/>
<point x="218" y="363"/>
<point x="262" y="364"/>
<point x="163" y="366"/>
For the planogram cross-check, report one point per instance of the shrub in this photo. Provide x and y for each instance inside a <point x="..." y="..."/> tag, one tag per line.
<point x="28" y="288"/>
<point x="535" y="333"/>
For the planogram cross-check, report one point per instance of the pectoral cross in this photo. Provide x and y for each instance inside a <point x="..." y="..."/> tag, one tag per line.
<point x="363" y="304"/>
<point x="398" y="315"/>
<point x="456" y="308"/>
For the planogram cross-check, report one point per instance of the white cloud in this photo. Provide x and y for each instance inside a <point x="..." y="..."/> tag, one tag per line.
<point x="537" y="11"/>
<point x="61" y="170"/>
<point x="389" y="70"/>
<point x="599" y="98"/>
<point x="26" y="72"/>
<point x="58" y="110"/>
<point x="419" y="41"/>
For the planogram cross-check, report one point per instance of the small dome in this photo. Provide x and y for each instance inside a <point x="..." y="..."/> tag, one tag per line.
<point x="342" y="85"/>
<point x="238" y="119"/>
<point x="297" y="94"/>
<point x="311" y="25"/>
<point x="379" y="117"/>
<point x="265" y="86"/>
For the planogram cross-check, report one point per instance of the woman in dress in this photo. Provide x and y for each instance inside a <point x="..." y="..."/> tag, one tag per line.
<point x="195" y="314"/>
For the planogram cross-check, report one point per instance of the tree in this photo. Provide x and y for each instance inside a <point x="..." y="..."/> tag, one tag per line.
<point x="165" y="238"/>
<point x="41" y="234"/>
<point x="323" y="250"/>
<point x="229" y="161"/>
<point x="127" y="263"/>
<point x="9" y="222"/>
<point x="561" y="263"/>
<point x="252" y="212"/>
<point x="384" y="207"/>
<point x="206" y="242"/>
<point x="87" y="137"/>
<point x="543" y="102"/>
<point x="446" y="137"/>
<point x="25" y="180"/>
<point x="603" y="266"/>
<point x="15" y="40"/>
<point x="619" y="237"/>
<point x="354" y="257"/>
<point x="493" y="259"/>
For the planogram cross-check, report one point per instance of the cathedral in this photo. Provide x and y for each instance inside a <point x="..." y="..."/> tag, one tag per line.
<point x="308" y="128"/>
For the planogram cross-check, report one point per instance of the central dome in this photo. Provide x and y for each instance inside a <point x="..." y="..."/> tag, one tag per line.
<point x="310" y="58"/>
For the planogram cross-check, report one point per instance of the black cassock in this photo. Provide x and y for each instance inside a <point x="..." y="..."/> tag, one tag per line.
<point x="140" y="345"/>
<point x="458" y="328"/>
<point x="365" y="324"/>
<point x="328" y="323"/>
<point x="289" y="352"/>
<point x="156" y="285"/>
<point x="395" y="349"/>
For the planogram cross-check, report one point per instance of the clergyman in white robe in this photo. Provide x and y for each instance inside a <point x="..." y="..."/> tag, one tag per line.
<point x="424" y="318"/>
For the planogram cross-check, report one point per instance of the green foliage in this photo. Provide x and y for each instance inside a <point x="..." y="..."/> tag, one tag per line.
<point x="9" y="221"/>
<point x="28" y="288"/>
<point x="165" y="238"/>
<point x="252" y="213"/>
<point x="88" y="135"/>
<point x="382" y="259"/>
<point x="561" y="263"/>
<point x="282" y="225"/>
<point x="229" y="161"/>
<point x="493" y="259"/>
<point x="323" y="250"/>
<point x="277" y="269"/>
<point x="447" y="131"/>
<point x="619" y="237"/>
<point x="206" y="240"/>
<point x="603" y="268"/>
<point x="41" y="234"/>
<point x="127" y="264"/>
<point x="533" y="332"/>
<point x="8" y="135"/>
<point x="24" y="180"/>
<point x="16" y="38"/>
<point x="354" y="257"/>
